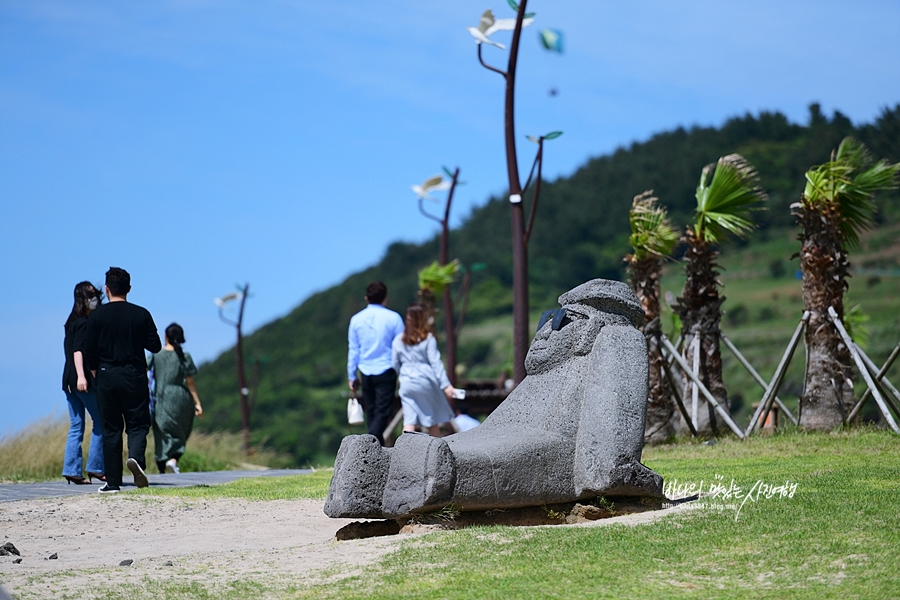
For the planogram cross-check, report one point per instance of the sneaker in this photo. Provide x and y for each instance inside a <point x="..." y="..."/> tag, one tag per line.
<point x="140" y="479"/>
<point x="172" y="466"/>
<point x="107" y="489"/>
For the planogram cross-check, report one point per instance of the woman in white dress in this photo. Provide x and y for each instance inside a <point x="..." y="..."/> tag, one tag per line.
<point x="424" y="386"/>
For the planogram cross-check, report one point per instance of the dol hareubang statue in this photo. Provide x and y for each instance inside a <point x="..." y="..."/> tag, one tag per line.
<point x="573" y="429"/>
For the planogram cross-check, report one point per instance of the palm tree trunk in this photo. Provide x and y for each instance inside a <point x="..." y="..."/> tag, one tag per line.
<point x="659" y="426"/>
<point x="828" y="390"/>
<point x="425" y="297"/>
<point x="700" y="312"/>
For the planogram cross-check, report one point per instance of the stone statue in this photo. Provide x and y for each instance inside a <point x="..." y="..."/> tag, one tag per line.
<point x="573" y="429"/>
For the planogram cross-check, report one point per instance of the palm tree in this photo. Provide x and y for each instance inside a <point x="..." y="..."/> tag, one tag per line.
<point x="724" y="206"/>
<point x="433" y="280"/>
<point x="835" y="208"/>
<point x="652" y="238"/>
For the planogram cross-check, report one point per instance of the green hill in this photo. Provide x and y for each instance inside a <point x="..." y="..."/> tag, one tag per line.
<point x="581" y="233"/>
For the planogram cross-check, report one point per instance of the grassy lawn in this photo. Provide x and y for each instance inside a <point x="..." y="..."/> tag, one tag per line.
<point x="835" y="538"/>
<point x="313" y="486"/>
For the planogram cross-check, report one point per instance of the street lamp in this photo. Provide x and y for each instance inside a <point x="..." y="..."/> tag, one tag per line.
<point x="521" y="231"/>
<point x="241" y="296"/>
<point x="434" y="184"/>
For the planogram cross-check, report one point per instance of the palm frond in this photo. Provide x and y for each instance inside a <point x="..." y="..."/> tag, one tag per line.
<point x="436" y="277"/>
<point x="856" y="321"/>
<point x="725" y="203"/>
<point x="847" y="184"/>
<point x="652" y="233"/>
<point x="854" y="153"/>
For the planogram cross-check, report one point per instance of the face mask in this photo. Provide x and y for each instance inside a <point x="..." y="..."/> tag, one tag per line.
<point x="93" y="303"/>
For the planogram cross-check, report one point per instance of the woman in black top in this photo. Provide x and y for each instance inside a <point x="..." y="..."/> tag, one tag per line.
<point x="79" y="388"/>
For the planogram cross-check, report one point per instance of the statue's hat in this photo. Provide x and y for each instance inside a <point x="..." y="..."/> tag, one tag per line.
<point x="607" y="295"/>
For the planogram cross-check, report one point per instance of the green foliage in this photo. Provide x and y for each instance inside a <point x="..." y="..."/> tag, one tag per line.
<point x="581" y="232"/>
<point x="725" y="203"/>
<point x="436" y="277"/>
<point x="651" y="232"/>
<point x="738" y="315"/>
<point x="603" y="503"/>
<point x="856" y="321"/>
<point x="198" y="462"/>
<point x="847" y="183"/>
<point x="674" y="324"/>
<point x="553" y="514"/>
<point x="777" y="269"/>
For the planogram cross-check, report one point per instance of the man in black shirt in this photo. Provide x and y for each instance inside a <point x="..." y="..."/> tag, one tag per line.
<point x="117" y="335"/>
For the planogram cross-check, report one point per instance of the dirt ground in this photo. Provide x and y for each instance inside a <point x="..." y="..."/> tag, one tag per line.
<point x="200" y="541"/>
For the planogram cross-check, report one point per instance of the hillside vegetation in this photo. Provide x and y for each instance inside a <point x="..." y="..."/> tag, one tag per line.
<point x="581" y="233"/>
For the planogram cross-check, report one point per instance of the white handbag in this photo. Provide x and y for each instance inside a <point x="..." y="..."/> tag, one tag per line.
<point x="354" y="412"/>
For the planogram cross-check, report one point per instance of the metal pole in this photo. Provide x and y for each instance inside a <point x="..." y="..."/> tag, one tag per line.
<point x="706" y="393"/>
<point x="520" y="251"/>
<point x="242" y="381"/>
<point x="772" y="389"/>
<point x="450" y="344"/>
<point x="756" y="376"/>
<point x="832" y="314"/>
<point x="884" y="369"/>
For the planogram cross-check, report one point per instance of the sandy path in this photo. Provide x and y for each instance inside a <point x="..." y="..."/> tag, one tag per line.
<point x="207" y="542"/>
<point x="223" y="540"/>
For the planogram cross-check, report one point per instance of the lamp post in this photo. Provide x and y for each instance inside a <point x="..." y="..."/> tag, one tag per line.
<point x="434" y="184"/>
<point x="521" y="231"/>
<point x="239" y="356"/>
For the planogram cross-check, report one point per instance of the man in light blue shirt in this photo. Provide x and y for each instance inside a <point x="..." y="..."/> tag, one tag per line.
<point x="372" y="331"/>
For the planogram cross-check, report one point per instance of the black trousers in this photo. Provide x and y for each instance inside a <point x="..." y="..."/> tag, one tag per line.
<point x="378" y="399"/>
<point x="124" y="402"/>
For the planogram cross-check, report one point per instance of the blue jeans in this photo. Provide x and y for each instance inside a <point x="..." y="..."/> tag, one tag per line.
<point x="78" y="401"/>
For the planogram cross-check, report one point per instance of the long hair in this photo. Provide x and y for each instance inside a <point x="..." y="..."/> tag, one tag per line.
<point x="416" y="325"/>
<point x="175" y="336"/>
<point x="84" y="293"/>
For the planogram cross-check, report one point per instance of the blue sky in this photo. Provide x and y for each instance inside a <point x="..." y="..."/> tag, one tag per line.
<point x="203" y="143"/>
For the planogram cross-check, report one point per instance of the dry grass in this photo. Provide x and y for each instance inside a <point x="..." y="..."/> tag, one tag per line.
<point x="35" y="453"/>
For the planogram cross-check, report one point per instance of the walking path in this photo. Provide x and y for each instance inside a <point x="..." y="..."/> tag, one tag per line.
<point x="55" y="489"/>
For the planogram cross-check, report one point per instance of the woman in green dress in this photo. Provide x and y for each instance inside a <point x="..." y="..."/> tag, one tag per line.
<point x="177" y="400"/>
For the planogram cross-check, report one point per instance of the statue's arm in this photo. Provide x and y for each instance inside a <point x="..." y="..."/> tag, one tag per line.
<point x="613" y="409"/>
